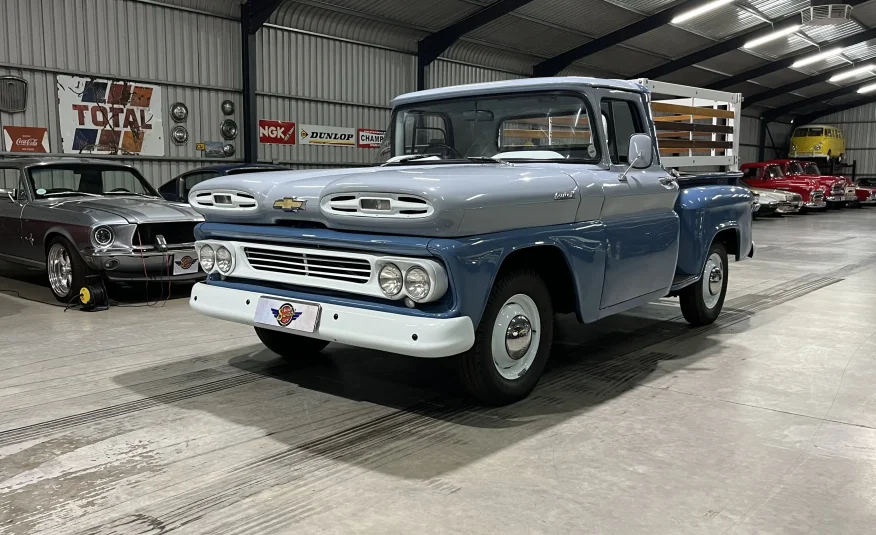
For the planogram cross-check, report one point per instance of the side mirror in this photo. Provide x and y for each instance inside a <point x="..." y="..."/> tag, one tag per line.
<point x="641" y="151"/>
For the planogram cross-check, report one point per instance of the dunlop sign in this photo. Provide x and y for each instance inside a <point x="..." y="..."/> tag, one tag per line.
<point x="336" y="136"/>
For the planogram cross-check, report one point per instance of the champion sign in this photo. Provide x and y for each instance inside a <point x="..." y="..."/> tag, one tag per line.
<point x="100" y="116"/>
<point x="370" y="139"/>
<point x="336" y="136"/>
<point x="276" y="132"/>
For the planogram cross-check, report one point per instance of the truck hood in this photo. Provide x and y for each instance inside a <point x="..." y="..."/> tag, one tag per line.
<point x="131" y="209"/>
<point x="427" y="200"/>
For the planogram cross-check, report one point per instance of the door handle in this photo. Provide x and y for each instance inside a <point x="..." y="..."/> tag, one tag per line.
<point x="667" y="180"/>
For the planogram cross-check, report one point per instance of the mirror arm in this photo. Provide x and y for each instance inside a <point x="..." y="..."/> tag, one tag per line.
<point x="623" y="176"/>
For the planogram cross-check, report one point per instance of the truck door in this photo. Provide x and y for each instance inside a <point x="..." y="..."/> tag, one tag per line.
<point x="641" y="223"/>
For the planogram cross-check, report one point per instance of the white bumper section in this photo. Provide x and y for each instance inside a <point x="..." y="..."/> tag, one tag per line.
<point x="396" y="333"/>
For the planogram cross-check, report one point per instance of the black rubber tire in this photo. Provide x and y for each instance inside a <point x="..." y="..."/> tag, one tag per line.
<point x="290" y="347"/>
<point x="80" y="270"/>
<point x="476" y="368"/>
<point x="693" y="306"/>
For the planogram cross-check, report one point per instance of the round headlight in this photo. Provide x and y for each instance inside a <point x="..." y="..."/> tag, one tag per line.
<point x="390" y="280"/>
<point x="207" y="257"/>
<point x="103" y="236"/>
<point x="223" y="259"/>
<point x="417" y="283"/>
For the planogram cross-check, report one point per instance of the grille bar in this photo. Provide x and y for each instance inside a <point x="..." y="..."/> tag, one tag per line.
<point x="309" y="265"/>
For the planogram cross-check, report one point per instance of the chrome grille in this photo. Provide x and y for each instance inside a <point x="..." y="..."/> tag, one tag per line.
<point x="309" y="264"/>
<point x="817" y="195"/>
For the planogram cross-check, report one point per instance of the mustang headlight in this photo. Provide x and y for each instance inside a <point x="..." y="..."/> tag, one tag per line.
<point x="207" y="257"/>
<point x="103" y="236"/>
<point x="417" y="283"/>
<point x="390" y="280"/>
<point x="224" y="260"/>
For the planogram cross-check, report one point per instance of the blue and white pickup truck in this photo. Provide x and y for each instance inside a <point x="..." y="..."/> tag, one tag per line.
<point x="498" y="206"/>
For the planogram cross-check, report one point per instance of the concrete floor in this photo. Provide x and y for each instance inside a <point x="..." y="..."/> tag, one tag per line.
<point x="155" y="420"/>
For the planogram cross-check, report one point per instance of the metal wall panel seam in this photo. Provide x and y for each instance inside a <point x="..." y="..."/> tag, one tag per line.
<point x="206" y="161"/>
<point x="322" y="100"/>
<point x="153" y="81"/>
<point x="183" y="8"/>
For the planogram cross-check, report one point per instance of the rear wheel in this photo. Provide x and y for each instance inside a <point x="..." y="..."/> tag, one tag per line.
<point x="290" y="347"/>
<point x="701" y="303"/>
<point x="512" y="342"/>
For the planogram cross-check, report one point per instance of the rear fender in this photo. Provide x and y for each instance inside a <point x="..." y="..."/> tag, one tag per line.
<point x="706" y="212"/>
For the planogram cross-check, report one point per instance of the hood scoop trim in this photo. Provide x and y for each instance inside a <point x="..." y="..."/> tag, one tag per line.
<point x="378" y="205"/>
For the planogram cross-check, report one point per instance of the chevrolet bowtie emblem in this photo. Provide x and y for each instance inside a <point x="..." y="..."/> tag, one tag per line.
<point x="289" y="204"/>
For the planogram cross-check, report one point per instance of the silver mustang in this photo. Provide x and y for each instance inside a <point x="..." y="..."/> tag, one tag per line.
<point x="76" y="217"/>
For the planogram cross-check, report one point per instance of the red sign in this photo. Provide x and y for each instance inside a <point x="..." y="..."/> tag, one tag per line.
<point x="276" y="132"/>
<point x="26" y="139"/>
<point x="370" y="139"/>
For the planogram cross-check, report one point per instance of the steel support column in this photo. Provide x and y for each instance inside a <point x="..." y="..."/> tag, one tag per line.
<point x="761" y="140"/>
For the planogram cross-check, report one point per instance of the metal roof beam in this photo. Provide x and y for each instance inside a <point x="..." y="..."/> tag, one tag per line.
<point x="789" y="108"/>
<point x="259" y="11"/>
<point x="809" y="117"/>
<point x="784" y="63"/>
<point x="552" y="66"/>
<point x="799" y="84"/>
<point x="727" y="46"/>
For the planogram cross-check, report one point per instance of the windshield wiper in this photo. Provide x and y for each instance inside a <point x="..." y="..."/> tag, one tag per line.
<point x="129" y="193"/>
<point x="71" y="193"/>
<point x="408" y="158"/>
<point x="487" y="159"/>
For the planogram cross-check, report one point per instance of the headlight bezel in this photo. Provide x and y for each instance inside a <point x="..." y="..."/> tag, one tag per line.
<point x="212" y="259"/>
<point x="98" y="243"/>
<point x="218" y="250"/>
<point x="401" y="279"/>
<point x="408" y="292"/>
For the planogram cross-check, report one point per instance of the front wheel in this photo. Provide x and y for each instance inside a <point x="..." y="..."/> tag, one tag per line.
<point x="290" y="347"/>
<point x="512" y="341"/>
<point x="701" y="303"/>
<point x="66" y="270"/>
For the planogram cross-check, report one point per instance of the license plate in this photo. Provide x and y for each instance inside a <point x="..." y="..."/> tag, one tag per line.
<point x="292" y="315"/>
<point x="185" y="263"/>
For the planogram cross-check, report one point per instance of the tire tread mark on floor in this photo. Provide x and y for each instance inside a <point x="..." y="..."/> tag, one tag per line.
<point x="28" y="432"/>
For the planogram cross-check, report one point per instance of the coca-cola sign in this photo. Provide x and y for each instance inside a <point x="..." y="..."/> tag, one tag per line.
<point x="26" y="139"/>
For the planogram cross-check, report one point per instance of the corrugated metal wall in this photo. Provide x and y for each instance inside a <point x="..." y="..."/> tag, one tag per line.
<point x="748" y="143"/>
<point x="315" y="67"/>
<point x="859" y="126"/>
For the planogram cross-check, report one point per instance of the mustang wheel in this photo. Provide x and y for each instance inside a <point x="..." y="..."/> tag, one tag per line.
<point x="290" y="347"/>
<point x="512" y="342"/>
<point x="702" y="302"/>
<point x="66" y="270"/>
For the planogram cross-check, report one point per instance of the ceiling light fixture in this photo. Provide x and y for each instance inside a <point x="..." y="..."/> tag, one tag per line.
<point x="772" y="37"/>
<point x="687" y="15"/>
<point x="867" y="88"/>
<point x="818" y="57"/>
<point x="854" y="72"/>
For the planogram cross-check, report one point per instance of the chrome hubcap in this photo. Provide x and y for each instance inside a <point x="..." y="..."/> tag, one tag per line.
<point x="713" y="280"/>
<point x="60" y="270"/>
<point x="518" y="337"/>
<point x="515" y="338"/>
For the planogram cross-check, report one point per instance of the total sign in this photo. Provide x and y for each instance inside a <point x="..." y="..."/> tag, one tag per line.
<point x="101" y="116"/>
<point x="276" y="132"/>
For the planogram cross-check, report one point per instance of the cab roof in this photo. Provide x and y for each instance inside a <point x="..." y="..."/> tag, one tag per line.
<point x="515" y="86"/>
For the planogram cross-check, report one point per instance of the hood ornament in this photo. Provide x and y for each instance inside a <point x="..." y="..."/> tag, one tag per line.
<point x="290" y="204"/>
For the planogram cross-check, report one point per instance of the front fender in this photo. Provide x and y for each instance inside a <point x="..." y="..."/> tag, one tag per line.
<point x="706" y="211"/>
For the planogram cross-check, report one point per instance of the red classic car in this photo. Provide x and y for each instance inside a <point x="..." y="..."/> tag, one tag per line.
<point x="770" y="176"/>
<point x="865" y="189"/>
<point x="839" y="190"/>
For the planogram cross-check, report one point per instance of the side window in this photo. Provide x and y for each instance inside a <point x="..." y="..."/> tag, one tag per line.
<point x="168" y="191"/>
<point x="11" y="180"/>
<point x="751" y="172"/>
<point x="196" y="178"/>
<point x="623" y="120"/>
<point x="830" y="132"/>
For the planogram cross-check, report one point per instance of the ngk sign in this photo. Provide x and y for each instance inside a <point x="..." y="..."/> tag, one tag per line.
<point x="276" y="132"/>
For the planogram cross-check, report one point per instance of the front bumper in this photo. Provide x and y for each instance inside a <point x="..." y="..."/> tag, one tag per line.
<point x="149" y="265"/>
<point x="839" y="197"/>
<point x="816" y="204"/>
<point x="789" y="207"/>
<point x="414" y="336"/>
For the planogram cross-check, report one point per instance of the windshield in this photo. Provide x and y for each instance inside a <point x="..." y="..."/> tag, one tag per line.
<point x="87" y="180"/>
<point x="794" y="168"/>
<point x="541" y="126"/>
<point x="774" y="171"/>
<point x="868" y="182"/>
<point x="809" y="132"/>
<point x="812" y="169"/>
